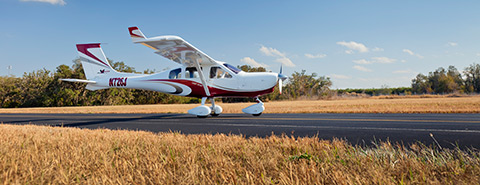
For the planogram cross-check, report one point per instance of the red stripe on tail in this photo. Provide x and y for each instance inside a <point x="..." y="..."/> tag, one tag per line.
<point x="83" y="48"/>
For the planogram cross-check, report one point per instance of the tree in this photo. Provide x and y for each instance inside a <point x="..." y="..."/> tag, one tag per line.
<point x="248" y="68"/>
<point x="34" y="88"/>
<point x="303" y="85"/>
<point x="421" y="85"/>
<point x="122" y="67"/>
<point x="472" y="78"/>
<point x="9" y="92"/>
<point x="439" y="81"/>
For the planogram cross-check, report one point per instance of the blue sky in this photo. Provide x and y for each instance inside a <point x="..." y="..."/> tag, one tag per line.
<point x="359" y="44"/>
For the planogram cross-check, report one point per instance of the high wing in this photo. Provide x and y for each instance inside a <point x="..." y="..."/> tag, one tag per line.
<point x="173" y="48"/>
<point x="177" y="50"/>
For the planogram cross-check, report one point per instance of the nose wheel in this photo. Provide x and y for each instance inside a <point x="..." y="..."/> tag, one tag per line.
<point x="255" y="110"/>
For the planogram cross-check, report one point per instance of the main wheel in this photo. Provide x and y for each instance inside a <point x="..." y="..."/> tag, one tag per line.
<point x="215" y="115"/>
<point x="202" y="116"/>
<point x="257" y="114"/>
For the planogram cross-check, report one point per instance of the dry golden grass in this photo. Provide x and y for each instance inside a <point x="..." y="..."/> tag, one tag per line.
<point x="53" y="155"/>
<point x="382" y="104"/>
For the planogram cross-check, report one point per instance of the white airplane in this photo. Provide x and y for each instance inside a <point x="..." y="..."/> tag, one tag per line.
<point x="199" y="76"/>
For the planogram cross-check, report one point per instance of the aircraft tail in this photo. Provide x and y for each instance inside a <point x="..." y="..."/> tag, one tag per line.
<point x="94" y="61"/>
<point x="136" y="34"/>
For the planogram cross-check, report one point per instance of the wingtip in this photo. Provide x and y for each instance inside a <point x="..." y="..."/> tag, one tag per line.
<point x="131" y="28"/>
<point x="135" y="33"/>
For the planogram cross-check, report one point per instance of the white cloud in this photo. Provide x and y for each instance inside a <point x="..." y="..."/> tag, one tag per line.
<point x="308" y="55"/>
<point x="453" y="44"/>
<point x="252" y="62"/>
<point x="54" y="2"/>
<point x="337" y="76"/>
<point x="403" y="61"/>
<point x="382" y="60"/>
<point x="410" y="52"/>
<point x="271" y="52"/>
<point x="281" y="57"/>
<point x="362" y="61"/>
<point x="377" y="49"/>
<point x="349" y="51"/>
<point x="478" y="54"/>
<point x="361" y="68"/>
<point x="354" y="46"/>
<point x="408" y="71"/>
<point x="285" y="61"/>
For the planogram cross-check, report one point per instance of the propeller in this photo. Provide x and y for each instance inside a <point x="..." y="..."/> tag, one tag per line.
<point x="281" y="78"/>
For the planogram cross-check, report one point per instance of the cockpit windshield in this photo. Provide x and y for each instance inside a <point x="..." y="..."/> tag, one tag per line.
<point x="232" y="68"/>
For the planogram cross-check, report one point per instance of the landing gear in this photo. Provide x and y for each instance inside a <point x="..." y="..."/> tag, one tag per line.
<point x="255" y="110"/>
<point x="257" y="114"/>
<point x="203" y="111"/>
<point x="216" y="110"/>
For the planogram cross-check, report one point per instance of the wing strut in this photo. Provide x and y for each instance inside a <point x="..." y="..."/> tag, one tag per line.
<point x="202" y="78"/>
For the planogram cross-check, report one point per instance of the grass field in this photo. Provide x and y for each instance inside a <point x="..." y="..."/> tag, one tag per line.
<point x="380" y="104"/>
<point x="53" y="155"/>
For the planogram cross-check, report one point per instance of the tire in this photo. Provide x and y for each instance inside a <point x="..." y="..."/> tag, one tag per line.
<point x="202" y="116"/>
<point x="257" y="114"/>
<point x="215" y="115"/>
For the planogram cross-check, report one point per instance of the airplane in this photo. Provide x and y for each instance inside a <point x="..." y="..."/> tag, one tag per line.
<point x="199" y="76"/>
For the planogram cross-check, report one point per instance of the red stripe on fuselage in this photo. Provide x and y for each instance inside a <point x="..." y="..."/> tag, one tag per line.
<point x="198" y="91"/>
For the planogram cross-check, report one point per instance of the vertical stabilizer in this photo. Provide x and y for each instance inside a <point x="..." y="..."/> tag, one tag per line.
<point x="93" y="60"/>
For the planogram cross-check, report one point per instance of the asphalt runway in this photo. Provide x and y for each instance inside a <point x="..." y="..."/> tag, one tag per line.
<point x="449" y="130"/>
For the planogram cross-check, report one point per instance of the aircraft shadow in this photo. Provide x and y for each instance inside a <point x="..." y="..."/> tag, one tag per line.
<point x="115" y="120"/>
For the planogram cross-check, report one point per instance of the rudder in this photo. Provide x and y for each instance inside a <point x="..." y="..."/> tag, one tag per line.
<point x="93" y="60"/>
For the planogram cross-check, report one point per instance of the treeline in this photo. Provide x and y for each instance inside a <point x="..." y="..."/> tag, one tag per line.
<point x="376" y="92"/>
<point x="440" y="81"/>
<point x="43" y="88"/>
<point x="450" y="80"/>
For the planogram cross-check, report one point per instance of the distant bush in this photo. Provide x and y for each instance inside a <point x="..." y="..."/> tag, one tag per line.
<point x="377" y="92"/>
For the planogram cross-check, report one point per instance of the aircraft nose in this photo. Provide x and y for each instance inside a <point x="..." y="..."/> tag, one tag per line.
<point x="272" y="78"/>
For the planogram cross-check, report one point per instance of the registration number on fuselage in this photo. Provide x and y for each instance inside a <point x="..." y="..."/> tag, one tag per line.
<point x="118" y="82"/>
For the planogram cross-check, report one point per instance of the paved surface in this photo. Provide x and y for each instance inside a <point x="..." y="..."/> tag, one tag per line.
<point x="448" y="129"/>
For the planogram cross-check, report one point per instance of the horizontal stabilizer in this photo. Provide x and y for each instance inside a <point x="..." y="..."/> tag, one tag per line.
<point x="93" y="87"/>
<point x="78" y="80"/>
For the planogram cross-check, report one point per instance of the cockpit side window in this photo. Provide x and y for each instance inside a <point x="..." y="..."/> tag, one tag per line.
<point x="175" y="74"/>
<point x="217" y="72"/>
